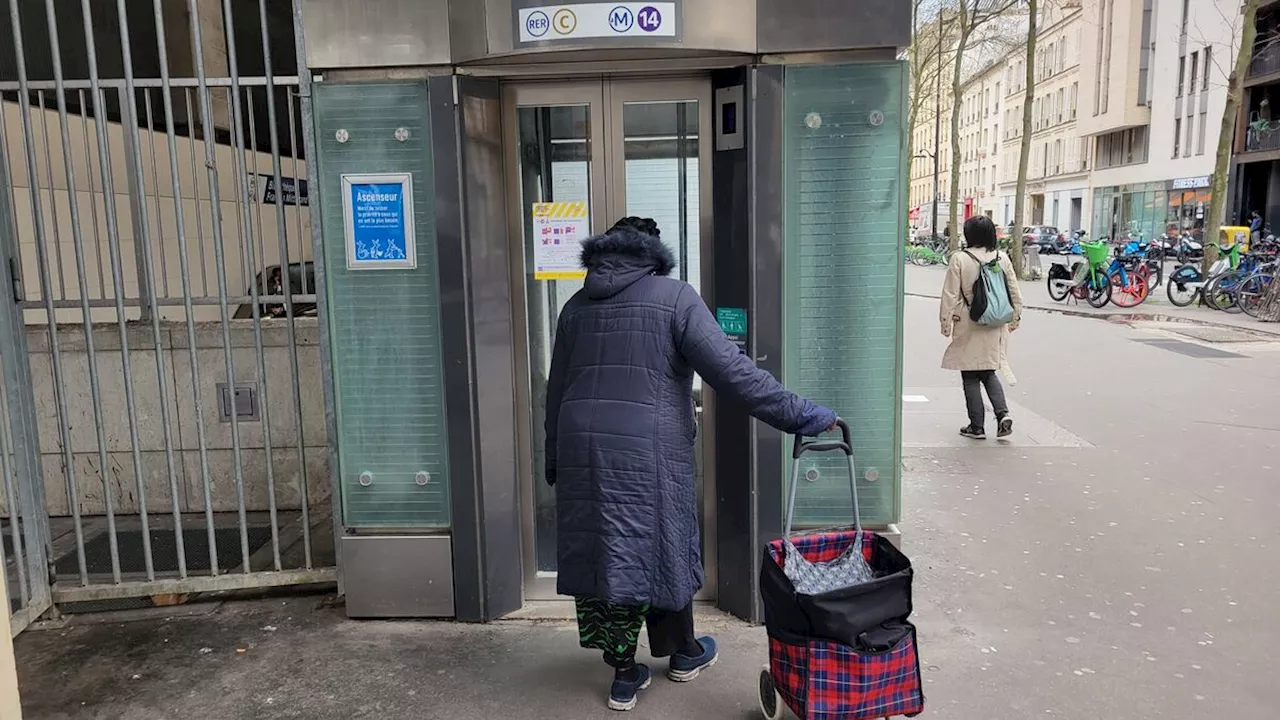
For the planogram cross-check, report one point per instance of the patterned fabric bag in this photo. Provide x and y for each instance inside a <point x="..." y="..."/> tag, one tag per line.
<point x="811" y="578"/>
<point x="824" y="680"/>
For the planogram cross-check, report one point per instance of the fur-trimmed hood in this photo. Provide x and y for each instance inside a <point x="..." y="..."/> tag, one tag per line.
<point x="617" y="259"/>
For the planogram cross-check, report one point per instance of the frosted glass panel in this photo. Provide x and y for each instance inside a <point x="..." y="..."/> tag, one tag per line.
<point x="843" y="278"/>
<point x="384" y="324"/>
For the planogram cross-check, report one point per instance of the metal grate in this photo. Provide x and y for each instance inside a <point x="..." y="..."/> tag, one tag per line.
<point x="1190" y="349"/>
<point x="97" y="550"/>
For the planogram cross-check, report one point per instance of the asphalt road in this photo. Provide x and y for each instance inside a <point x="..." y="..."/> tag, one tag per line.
<point x="1115" y="560"/>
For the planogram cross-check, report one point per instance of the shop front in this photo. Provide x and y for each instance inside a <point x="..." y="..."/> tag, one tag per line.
<point x="1149" y="210"/>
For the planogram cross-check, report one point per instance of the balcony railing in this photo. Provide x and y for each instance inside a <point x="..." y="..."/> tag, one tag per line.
<point x="1262" y="135"/>
<point x="1266" y="58"/>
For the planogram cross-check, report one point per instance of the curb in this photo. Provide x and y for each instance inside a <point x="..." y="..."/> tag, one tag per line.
<point x="1125" y="317"/>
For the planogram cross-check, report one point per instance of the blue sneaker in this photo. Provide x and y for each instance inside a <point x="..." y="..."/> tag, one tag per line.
<point x="622" y="696"/>
<point x="685" y="668"/>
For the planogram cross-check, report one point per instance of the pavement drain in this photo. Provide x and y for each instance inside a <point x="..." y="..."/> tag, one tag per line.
<point x="1188" y="348"/>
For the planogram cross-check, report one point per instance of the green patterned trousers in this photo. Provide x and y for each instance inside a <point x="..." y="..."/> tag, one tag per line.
<point x="614" y="629"/>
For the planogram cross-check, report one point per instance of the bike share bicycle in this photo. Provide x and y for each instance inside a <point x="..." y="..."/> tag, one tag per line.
<point x="1187" y="282"/>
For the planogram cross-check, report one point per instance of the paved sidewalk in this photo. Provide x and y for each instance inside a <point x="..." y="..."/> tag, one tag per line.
<point x="927" y="282"/>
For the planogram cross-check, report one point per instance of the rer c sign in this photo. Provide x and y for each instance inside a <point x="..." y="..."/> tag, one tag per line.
<point x="591" y="21"/>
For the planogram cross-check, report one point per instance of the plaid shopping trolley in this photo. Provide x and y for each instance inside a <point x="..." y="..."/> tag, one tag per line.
<point x="836" y="607"/>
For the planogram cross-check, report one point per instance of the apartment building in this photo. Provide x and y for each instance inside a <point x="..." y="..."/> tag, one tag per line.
<point x="1058" y="166"/>
<point x="980" y="124"/>
<point x="1153" y="78"/>
<point x="922" y="188"/>
<point x="1254" y="183"/>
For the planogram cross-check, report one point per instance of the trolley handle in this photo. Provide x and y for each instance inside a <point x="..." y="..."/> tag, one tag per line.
<point x="844" y="444"/>
<point x="801" y="448"/>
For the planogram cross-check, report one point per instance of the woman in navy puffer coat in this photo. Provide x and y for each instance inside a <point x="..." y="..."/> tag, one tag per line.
<point x="620" y="449"/>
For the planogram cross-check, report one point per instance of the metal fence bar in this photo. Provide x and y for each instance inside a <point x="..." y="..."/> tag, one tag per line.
<point x="297" y="186"/>
<point x="137" y="199"/>
<point x="283" y="233"/>
<point x="197" y="584"/>
<point x="126" y="50"/>
<point x="46" y="291"/>
<point x="170" y="302"/>
<point x="210" y="161"/>
<point x="11" y="494"/>
<point x="93" y="201"/>
<point x="53" y="198"/>
<point x="155" y="185"/>
<point x="309" y="145"/>
<point x="176" y="179"/>
<point x="119" y="83"/>
<point x="77" y="239"/>
<point x="8" y="455"/>
<point x="246" y="218"/>
<point x="251" y="196"/>
<point x="195" y="186"/>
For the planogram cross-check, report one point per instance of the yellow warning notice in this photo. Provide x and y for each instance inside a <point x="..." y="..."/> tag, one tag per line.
<point x="559" y="228"/>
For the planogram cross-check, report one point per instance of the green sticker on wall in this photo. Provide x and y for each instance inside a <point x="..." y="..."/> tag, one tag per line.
<point x="733" y="321"/>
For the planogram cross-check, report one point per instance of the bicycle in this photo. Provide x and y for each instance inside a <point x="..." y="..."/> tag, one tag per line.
<point x="1187" y="283"/>
<point x="1088" y="280"/>
<point x="927" y="252"/>
<point x="1254" y="288"/>
<point x="1221" y="292"/>
<point x="1129" y="275"/>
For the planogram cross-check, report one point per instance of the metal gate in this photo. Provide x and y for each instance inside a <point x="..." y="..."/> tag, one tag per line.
<point x="164" y="423"/>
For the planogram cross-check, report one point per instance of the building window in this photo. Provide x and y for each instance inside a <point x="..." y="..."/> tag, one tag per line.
<point x="1182" y="73"/>
<point x="1204" y="120"/>
<point x="1195" y="68"/>
<point x="1075" y="97"/>
<point x="1177" y="136"/>
<point x="1207" y="66"/>
<point x="1123" y="147"/>
<point x="1062" y="93"/>
<point x="1104" y="47"/>
<point x="1191" y="121"/>
<point x="1144" y="54"/>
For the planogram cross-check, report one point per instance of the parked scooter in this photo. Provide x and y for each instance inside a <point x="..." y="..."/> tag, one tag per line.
<point x="1189" y="249"/>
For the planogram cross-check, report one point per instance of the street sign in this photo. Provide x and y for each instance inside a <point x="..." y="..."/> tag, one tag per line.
<point x="377" y="212"/>
<point x="598" y="21"/>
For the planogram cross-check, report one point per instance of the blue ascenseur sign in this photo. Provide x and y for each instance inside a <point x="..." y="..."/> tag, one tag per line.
<point x="377" y="211"/>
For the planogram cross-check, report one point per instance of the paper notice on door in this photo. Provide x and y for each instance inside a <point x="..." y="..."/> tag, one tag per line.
<point x="559" y="228"/>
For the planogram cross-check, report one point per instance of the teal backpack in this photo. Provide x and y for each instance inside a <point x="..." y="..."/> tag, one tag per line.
<point x="990" y="304"/>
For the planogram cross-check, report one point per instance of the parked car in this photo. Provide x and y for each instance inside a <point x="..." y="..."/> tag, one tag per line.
<point x="1046" y="237"/>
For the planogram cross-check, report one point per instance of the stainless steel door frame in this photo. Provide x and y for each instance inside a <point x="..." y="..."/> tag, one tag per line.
<point x="538" y="585"/>
<point x="607" y="188"/>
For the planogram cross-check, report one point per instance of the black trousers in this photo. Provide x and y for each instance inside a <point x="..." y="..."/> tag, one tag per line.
<point x="669" y="633"/>
<point x="974" y="381"/>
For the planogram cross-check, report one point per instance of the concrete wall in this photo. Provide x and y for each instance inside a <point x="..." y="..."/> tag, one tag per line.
<point x="175" y="354"/>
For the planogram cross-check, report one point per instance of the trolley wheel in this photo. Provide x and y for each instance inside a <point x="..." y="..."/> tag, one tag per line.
<point x="771" y="705"/>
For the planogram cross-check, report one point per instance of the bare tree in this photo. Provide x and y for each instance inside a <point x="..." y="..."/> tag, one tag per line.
<point x="1226" y="134"/>
<point x="1024" y="146"/>
<point x="971" y="16"/>
<point x="927" y="57"/>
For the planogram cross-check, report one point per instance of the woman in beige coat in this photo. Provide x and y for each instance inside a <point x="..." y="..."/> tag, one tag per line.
<point x="978" y="351"/>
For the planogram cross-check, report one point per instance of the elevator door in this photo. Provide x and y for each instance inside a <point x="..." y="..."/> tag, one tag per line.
<point x="609" y="149"/>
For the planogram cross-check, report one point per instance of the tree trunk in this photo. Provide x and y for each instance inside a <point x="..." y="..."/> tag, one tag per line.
<point x="956" y="92"/>
<point x="1024" y="147"/>
<point x="1227" y="133"/>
